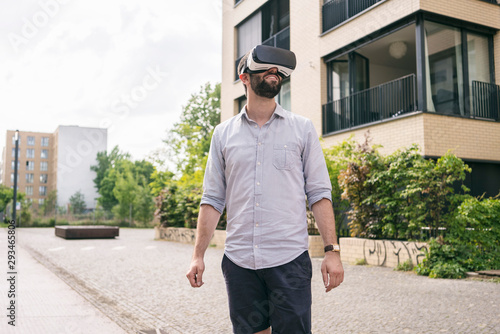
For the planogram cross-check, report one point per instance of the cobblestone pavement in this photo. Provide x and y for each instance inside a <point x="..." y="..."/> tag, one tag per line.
<point x="140" y="284"/>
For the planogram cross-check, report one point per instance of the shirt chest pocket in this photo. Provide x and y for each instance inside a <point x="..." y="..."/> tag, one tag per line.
<point x="285" y="156"/>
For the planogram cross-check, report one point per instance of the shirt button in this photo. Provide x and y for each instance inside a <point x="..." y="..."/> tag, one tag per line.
<point x="257" y="204"/>
<point x="285" y="146"/>
<point x="258" y="163"/>
<point x="256" y="246"/>
<point x="255" y="126"/>
<point x="257" y="224"/>
<point x="258" y="183"/>
<point x="260" y="143"/>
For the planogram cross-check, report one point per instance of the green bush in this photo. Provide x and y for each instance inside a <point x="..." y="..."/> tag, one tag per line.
<point x="444" y="260"/>
<point x="447" y="270"/>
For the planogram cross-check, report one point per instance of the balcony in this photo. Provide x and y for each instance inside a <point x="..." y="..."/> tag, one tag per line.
<point x="337" y="11"/>
<point x="386" y="101"/>
<point x="396" y="98"/>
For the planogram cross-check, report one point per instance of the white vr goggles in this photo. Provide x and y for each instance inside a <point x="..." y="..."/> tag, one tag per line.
<point x="263" y="57"/>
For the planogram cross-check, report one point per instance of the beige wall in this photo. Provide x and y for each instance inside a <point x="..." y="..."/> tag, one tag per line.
<point x="468" y="138"/>
<point x="435" y="134"/>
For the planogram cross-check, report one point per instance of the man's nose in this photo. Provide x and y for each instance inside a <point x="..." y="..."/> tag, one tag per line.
<point x="273" y="70"/>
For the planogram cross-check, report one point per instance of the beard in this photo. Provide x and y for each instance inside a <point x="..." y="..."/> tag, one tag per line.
<point x="263" y="88"/>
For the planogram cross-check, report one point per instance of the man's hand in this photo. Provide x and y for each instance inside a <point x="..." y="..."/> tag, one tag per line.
<point x="332" y="270"/>
<point x="195" y="273"/>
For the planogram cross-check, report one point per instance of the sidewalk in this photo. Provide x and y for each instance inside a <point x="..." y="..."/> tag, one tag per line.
<point x="45" y="304"/>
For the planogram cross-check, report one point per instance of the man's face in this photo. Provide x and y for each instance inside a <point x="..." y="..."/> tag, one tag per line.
<point x="267" y="84"/>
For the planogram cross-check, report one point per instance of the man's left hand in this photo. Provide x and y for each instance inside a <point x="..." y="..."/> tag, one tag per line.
<point x="332" y="270"/>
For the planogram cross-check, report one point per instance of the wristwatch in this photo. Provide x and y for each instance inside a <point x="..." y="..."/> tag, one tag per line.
<point x="332" y="248"/>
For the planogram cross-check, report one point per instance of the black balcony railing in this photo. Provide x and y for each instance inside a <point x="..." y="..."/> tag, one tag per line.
<point x="495" y="2"/>
<point x="337" y="11"/>
<point x="279" y="40"/>
<point x="485" y="100"/>
<point x="388" y="100"/>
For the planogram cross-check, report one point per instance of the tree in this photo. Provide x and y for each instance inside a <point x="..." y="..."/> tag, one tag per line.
<point x="125" y="191"/>
<point x="77" y="202"/>
<point x="189" y="140"/>
<point x="105" y="175"/>
<point x="6" y="195"/>
<point x="49" y="205"/>
<point x="105" y="162"/>
<point x="144" y="205"/>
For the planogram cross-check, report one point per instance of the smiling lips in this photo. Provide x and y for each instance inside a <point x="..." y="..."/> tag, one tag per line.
<point x="272" y="76"/>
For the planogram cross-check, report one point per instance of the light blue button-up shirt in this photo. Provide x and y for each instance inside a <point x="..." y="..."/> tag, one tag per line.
<point x="262" y="176"/>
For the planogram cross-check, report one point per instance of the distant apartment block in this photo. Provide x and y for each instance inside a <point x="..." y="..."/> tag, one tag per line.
<point x="408" y="71"/>
<point x="54" y="161"/>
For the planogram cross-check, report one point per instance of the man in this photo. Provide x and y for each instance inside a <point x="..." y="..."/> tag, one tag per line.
<point x="261" y="166"/>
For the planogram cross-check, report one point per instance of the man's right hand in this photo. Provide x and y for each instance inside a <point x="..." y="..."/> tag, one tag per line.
<point x="195" y="273"/>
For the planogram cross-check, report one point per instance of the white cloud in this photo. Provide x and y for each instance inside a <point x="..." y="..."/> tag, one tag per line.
<point x="87" y="56"/>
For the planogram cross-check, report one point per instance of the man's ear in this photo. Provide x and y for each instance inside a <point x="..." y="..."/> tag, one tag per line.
<point x="244" y="77"/>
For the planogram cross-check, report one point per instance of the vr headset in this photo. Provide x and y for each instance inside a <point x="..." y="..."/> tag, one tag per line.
<point x="263" y="57"/>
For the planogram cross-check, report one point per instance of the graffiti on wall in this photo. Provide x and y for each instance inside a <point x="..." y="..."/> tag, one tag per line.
<point x="382" y="252"/>
<point x="184" y="235"/>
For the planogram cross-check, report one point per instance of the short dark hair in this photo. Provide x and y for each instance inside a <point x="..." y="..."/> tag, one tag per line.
<point x="243" y="62"/>
<point x="241" y="65"/>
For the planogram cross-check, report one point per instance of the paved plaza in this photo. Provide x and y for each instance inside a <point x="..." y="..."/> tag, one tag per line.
<point x="139" y="283"/>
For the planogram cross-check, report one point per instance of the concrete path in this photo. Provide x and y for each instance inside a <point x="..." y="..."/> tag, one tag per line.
<point x="46" y="304"/>
<point x="140" y="284"/>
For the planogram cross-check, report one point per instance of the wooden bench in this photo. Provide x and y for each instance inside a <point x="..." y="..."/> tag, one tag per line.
<point x="87" y="232"/>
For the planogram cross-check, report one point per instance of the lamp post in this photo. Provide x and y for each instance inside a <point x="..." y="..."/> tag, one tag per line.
<point x="16" y="157"/>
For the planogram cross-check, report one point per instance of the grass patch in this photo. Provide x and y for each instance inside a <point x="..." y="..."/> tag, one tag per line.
<point x="361" y="262"/>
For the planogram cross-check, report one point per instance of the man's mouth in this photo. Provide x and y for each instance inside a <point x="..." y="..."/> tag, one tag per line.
<point x="272" y="76"/>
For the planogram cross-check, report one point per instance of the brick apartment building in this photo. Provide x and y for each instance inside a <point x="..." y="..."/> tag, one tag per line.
<point x="409" y="71"/>
<point x="54" y="161"/>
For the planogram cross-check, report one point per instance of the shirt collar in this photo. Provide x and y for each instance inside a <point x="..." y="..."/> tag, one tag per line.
<point x="278" y="111"/>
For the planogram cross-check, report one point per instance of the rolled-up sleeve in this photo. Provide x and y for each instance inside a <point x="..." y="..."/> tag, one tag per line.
<point x="317" y="180"/>
<point x="214" y="182"/>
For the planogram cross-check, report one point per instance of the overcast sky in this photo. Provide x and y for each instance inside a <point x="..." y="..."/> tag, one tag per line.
<point x="125" y="65"/>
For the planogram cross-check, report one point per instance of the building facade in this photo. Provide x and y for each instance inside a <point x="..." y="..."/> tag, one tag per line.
<point x="54" y="161"/>
<point x="408" y="71"/>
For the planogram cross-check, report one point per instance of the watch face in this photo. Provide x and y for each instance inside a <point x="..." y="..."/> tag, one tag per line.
<point x="336" y="248"/>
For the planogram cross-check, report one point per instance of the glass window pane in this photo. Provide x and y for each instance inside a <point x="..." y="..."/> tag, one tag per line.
<point x="249" y="34"/>
<point x="43" y="178"/>
<point x="44" y="166"/>
<point x="44" y="154"/>
<point x="284" y="96"/>
<point x="31" y="141"/>
<point x="340" y="79"/>
<point x="478" y="58"/>
<point x="444" y="82"/>
<point x="45" y="141"/>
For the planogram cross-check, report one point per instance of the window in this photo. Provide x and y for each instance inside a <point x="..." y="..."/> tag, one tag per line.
<point x="454" y="59"/>
<point x="12" y="177"/>
<point x="30" y="153"/>
<point x="275" y="17"/>
<point x="30" y="165"/>
<point x="44" y="154"/>
<point x="14" y="140"/>
<point x="44" y="166"/>
<point x="41" y="201"/>
<point x="242" y="101"/>
<point x="42" y="190"/>
<point x="29" y="178"/>
<point x="43" y="178"/>
<point x="269" y="26"/>
<point x="14" y="152"/>
<point x="283" y="98"/>
<point x="13" y="165"/>
<point x="31" y="141"/>
<point x="45" y="141"/>
<point x="29" y="190"/>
